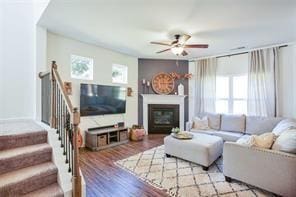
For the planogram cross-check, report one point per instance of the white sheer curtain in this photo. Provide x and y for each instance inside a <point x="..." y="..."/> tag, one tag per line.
<point x="263" y="82"/>
<point x="205" y="93"/>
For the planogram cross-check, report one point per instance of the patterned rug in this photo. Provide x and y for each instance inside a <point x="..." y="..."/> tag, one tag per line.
<point x="182" y="178"/>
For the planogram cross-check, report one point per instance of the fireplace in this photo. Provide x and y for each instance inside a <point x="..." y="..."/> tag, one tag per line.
<point x="162" y="118"/>
<point x="163" y="100"/>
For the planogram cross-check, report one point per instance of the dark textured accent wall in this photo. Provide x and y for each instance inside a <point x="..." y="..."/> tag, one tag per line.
<point x="148" y="68"/>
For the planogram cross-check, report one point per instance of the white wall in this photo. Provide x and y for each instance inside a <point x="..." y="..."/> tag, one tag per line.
<point x="1" y="63"/>
<point x="287" y="82"/>
<point x="17" y="79"/>
<point x="41" y="65"/>
<point x="60" y="48"/>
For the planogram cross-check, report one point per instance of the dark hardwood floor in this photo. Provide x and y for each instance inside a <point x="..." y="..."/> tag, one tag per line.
<point x="103" y="178"/>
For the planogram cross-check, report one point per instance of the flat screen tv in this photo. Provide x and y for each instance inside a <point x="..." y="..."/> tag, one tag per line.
<point x="101" y="100"/>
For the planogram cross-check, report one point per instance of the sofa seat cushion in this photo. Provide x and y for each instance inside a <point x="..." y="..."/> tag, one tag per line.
<point x="244" y="140"/>
<point x="234" y="123"/>
<point x="256" y="125"/>
<point x="228" y="135"/>
<point x="209" y="131"/>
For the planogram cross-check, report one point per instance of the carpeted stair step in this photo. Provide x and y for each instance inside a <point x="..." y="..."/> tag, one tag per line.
<point x="22" y="139"/>
<point x="52" y="190"/>
<point x="25" y="180"/>
<point x="20" y="133"/>
<point x="22" y="157"/>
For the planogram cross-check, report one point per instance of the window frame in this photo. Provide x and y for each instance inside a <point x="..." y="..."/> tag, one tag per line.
<point x="230" y="99"/>
<point x="90" y="67"/>
<point x="121" y="66"/>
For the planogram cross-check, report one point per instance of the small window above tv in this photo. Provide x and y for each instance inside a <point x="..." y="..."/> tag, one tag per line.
<point x="82" y="67"/>
<point x="119" y="74"/>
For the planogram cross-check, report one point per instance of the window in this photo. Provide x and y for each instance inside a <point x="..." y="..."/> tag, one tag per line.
<point x="231" y="94"/>
<point x="81" y="67"/>
<point x="119" y="74"/>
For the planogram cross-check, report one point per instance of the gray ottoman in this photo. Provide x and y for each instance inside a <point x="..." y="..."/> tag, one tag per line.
<point x="202" y="149"/>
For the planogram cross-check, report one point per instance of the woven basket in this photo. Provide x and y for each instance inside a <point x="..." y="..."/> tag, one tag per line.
<point x="137" y="134"/>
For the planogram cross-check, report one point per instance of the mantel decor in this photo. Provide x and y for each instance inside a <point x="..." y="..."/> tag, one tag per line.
<point x="163" y="83"/>
<point x="145" y="86"/>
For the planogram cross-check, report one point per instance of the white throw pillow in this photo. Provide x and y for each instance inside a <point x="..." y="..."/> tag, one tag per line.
<point x="264" y="140"/>
<point x="214" y="120"/>
<point x="201" y="123"/>
<point x="286" y="142"/>
<point x="284" y="125"/>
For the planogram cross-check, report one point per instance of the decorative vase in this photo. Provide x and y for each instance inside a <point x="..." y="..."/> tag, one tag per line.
<point x="181" y="89"/>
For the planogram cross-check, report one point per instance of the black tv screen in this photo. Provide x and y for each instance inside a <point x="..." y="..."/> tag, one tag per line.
<point x="101" y="99"/>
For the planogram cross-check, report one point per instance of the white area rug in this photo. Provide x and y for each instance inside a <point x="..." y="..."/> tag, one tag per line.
<point x="183" y="178"/>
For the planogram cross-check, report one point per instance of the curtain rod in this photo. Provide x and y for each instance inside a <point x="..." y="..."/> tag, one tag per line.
<point x="244" y="52"/>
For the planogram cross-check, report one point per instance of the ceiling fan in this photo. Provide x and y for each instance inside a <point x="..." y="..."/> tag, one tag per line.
<point x="179" y="44"/>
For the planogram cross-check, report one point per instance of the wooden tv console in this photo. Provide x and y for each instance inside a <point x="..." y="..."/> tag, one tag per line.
<point x="105" y="137"/>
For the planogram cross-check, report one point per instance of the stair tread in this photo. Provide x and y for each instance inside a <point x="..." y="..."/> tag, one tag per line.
<point x="26" y="173"/>
<point x="52" y="190"/>
<point x="9" y="153"/>
<point x="19" y="127"/>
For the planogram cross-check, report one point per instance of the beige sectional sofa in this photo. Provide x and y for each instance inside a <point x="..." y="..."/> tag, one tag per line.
<point x="233" y="127"/>
<point x="272" y="170"/>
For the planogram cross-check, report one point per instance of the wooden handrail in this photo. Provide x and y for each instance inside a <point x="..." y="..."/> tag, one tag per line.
<point x="61" y="86"/>
<point x="68" y="134"/>
<point x="43" y="74"/>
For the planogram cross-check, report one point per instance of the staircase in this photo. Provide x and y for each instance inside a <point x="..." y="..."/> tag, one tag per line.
<point x="26" y="167"/>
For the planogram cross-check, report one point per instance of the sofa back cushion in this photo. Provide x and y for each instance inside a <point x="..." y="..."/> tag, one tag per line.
<point x="234" y="123"/>
<point x="256" y="125"/>
<point x="284" y="125"/>
<point x="213" y="118"/>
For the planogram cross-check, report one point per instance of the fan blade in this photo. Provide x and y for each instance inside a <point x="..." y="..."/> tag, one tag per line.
<point x="175" y="42"/>
<point x="196" y="46"/>
<point x="164" y="50"/>
<point x="161" y="43"/>
<point x="184" y="53"/>
<point x="184" y="39"/>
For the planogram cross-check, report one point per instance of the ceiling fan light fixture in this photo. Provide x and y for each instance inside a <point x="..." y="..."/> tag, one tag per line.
<point x="177" y="50"/>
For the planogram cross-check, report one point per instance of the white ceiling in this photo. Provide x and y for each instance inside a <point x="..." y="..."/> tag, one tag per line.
<point x="128" y="26"/>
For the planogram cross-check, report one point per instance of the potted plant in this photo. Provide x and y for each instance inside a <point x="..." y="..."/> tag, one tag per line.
<point x="176" y="130"/>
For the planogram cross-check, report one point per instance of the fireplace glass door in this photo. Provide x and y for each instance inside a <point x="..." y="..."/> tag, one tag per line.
<point x="162" y="118"/>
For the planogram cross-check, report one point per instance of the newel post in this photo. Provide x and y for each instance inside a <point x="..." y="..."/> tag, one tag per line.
<point x="53" y="95"/>
<point x="76" y="174"/>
